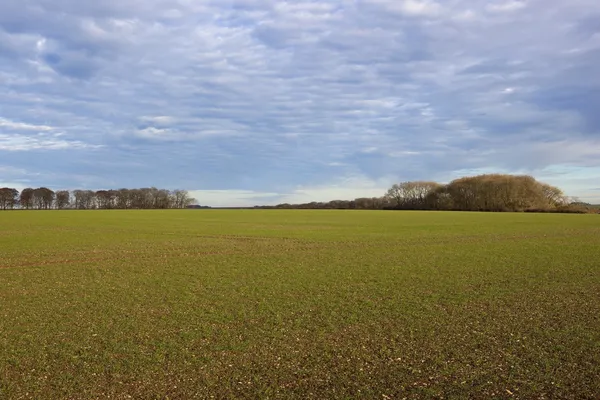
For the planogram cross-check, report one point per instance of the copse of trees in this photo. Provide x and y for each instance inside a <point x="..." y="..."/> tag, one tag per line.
<point x="491" y="192"/>
<point x="45" y="199"/>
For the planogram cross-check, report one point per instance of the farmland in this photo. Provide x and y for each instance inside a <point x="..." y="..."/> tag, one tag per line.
<point x="185" y="304"/>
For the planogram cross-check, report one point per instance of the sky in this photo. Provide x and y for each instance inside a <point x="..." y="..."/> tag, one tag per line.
<point x="246" y="102"/>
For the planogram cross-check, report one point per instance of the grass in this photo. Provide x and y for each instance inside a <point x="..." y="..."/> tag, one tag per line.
<point x="298" y="304"/>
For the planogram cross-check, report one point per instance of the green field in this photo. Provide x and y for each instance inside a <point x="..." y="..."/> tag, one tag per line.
<point x="298" y="304"/>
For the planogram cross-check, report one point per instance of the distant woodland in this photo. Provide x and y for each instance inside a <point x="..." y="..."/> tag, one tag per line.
<point x="492" y="192"/>
<point x="46" y="199"/>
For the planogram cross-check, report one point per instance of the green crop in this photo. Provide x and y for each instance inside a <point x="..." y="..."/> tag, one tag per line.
<point x="184" y="304"/>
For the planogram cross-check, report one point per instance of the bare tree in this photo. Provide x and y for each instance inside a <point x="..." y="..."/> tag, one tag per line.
<point x="106" y="199"/>
<point x="8" y="198"/>
<point x="553" y="195"/>
<point x="411" y="195"/>
<point x="440" y="199"/>
<point x="162" y="199"/>
<point x="181" y="199"/>
<point x="78" y="199"/>
<point x="364" y="203"/>
<point x="26" y="198"/>
<point x="138" y="198"/>
<point x="84" y="199"/>
<point x="63" y="199"/>
<point x="89" y="197"/>
<point x="48" y="198"/>
<point x="38" y="198"/>
<point x="123" y="199"/>
<point x="43" y="198"/>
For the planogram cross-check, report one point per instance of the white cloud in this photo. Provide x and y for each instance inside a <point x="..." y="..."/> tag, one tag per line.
<point x="425" y="8"/>
<point x="156" y="133"/>
<point x="404" y="153"/>
<point x="420" y="7"/>
<point x="22" y="126"/>
<point x="40" y="142"/>
<point x="507" y="6"/>
<point x="348" y="190"/>
<point x="231" y="198"/>
<point x="466" y="15"/>
<point x="159" y="119"/>
<point x="341" y="189"/>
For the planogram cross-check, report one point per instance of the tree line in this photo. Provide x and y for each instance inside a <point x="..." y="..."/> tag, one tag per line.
<point x="46" y="199"/>
<point x="490" y="192"/>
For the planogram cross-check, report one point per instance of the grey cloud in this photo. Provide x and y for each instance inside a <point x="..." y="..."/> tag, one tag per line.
<point x="289" y="87"/>
<point x="587" y="26"/>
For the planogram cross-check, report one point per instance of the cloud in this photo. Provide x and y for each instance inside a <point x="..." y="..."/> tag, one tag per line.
<point x="232" y="198"/>
<point x="255" y="96"/>
<point x="17" y="178"/>
<point x="156" y="133"/>
<point x="40" y="142"/>
<point x="348" y="188"/>
<point x="159" y="119"/>
<point x="507" y="6"/>
<point x="7" y="124"/>
<point x="412" y="7"/>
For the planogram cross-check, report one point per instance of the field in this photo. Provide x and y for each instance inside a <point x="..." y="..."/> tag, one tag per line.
<point x="298" y="305"/>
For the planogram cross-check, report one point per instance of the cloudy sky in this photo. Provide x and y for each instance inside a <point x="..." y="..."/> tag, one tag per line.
<point x="250" y="102"/>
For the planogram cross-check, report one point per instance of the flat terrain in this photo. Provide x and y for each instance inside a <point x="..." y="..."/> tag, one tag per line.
<point x="298" y="304"/>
